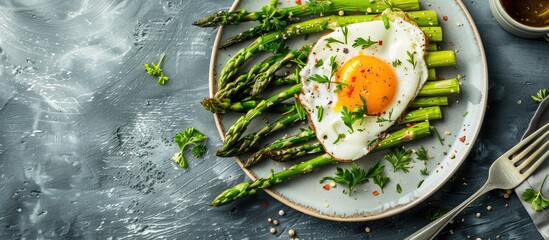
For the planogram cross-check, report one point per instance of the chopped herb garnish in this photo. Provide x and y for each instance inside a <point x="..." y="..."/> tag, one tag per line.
<point x="422" y="154"/>
<point x="332" y="40"/>
<point x="361" y="42"/>
<point x="399" y="158"/>
<point x="435" y="213"/>
<point x="345" y="31"/>
<point x="339" y="85"/>
<point x="380" y="119"/>
<point x="333" y="63"/>
<point x="437" y="134"/>
<point x="419" y="184"/>
<point x="385" y="21"/>
<point x="348" y="118"/>
<point x="542" y="94"/>
<point x="381" y="180"/>
<point x="536" y="199"/>
<point x="189" y="137"/>
<point x="319" y="78"/>
<point x="355" y="176"/>
<point x="300" y="111"/>
<point x="320" y="113"/>
<point x="396" y="63"/>
<point x="319" y="63"/>
<point x="339" y="137"/>
<point x="424" y="172"/>
<point x="156" y="70"/>
<point x="389" y="4"/>
<point x="399" y="188"/>
<point x="274" y="47"/>
<point x="410" y="59"/>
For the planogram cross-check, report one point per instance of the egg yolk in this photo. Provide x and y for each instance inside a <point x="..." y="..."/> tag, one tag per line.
<point x="369" y="77"/>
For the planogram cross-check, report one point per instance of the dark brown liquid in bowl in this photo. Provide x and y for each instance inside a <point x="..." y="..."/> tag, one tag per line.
<point x="534" y="13"/>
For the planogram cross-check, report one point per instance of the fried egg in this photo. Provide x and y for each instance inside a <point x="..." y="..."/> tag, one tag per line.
<point x="360" y="79"/>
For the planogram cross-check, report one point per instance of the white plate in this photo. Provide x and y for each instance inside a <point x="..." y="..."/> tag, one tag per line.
<point x="463" y="117"/>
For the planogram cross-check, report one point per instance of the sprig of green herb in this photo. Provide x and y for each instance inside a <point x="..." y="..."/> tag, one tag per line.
<point x="189" y="137"/>
<point x="333" y="64"/>
<point x="361" y="42"/>
<point x="339" y="137"/>
<point x="355" y="176"/>
<point x="389" y="4"/>
<point x="398" y="188"/>
<point x="541" y="94"/>
<point x="399" y="158"/>
<point x="410" y="59"/>
<point x="424" y="172"/>
<point x="422" y="154"/>
<point x="156" y="70"/>
<point x="536" y="199"/>
<point x="339" y="85"/>
<point x="332" y="40"/>
<point x="274" y="47"/>
<point x="381" y="180"/>
<point x="319" y="78"/>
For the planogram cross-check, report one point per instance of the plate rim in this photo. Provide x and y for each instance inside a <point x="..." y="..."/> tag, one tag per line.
<point x="359" y="217"/>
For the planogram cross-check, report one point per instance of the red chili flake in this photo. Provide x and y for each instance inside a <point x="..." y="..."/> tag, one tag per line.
<point x="315" y="87"/>
<point x="264" y="203"/>
<point x="303" y="8"/>
<point x="326" y="187"/>
<point x="353" y="79"/>
<point x="462" y="139"/>
<point x="445" y="18"/>
<point x="379" y="42"/>
<point x="298" y="2"/>
<point x="356" y="10"/>
<point x="351" y="90"/>
<point x="375" y="193"/>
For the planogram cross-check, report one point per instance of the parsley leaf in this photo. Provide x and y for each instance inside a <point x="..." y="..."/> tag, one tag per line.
<point x="355" y="176"/>
<point x="274" y="20"/>
<point x="319" y="63"/>
<point x="542" y="94"/>
<point x="538" y="201"/>
<point x="399" y="158"/>
<point x="332" y="40"/>
<point x="319" y="78"/>
<point x="361" y="42"/>
<point x="422" y="154"/>
<point x="396" y="63"/>
<point x="424" y="172"/>
<point x="155" y="70"/>
<point x="380" y="119"/>
<point x="380" y="180"/>
<point x="399" y="188"/>
<point x="348" y="118"/>
<point x="333" y="63"/>
<point x="339" y="85"/>
<point x="274" y="47"/>
<point x="189" y="137"/>
<point x="411" y="58"/>
<point x="339" y="137"/>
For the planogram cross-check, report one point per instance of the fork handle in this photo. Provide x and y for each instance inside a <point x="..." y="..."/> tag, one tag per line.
<point x="433" y="228"/>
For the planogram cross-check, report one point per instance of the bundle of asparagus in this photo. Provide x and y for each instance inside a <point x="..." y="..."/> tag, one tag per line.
<point x="244" y="92"/>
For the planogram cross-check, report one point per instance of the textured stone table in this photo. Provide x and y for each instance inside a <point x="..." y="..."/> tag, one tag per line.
<point x="86" y="135"/>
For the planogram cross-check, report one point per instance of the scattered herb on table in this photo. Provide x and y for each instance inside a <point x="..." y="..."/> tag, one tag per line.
<point x="399" y="158"/>
<point x="538" y="201"/>
<point x="189" y="137"/>
<point x="542" y="94"/>
<point x="380" y="180"/>
<point x="435" y="213"/>
<point x="424" y="172"/>
<point x="355" y="176"/>
<point x="156" y="70"/>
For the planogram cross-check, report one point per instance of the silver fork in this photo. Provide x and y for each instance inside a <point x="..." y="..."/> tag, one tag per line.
<point x="507" y="172"/>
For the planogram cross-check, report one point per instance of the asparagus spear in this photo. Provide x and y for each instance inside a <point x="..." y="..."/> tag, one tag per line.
<point x="313" y="7"/>
<point x="439" y="88"/>
<point x="289" y="79"/>
<point x="302" y="136"/>
<point x="429" y="101"/>
<point x="251" y="139"/>
<point x="224" y="105"/>
<point x="234" y="133"/>
<point x="424" y="18"/>
<point x="249" y="188"/>
<point x="290" y="153"/>
<point x="307" y="27"/>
